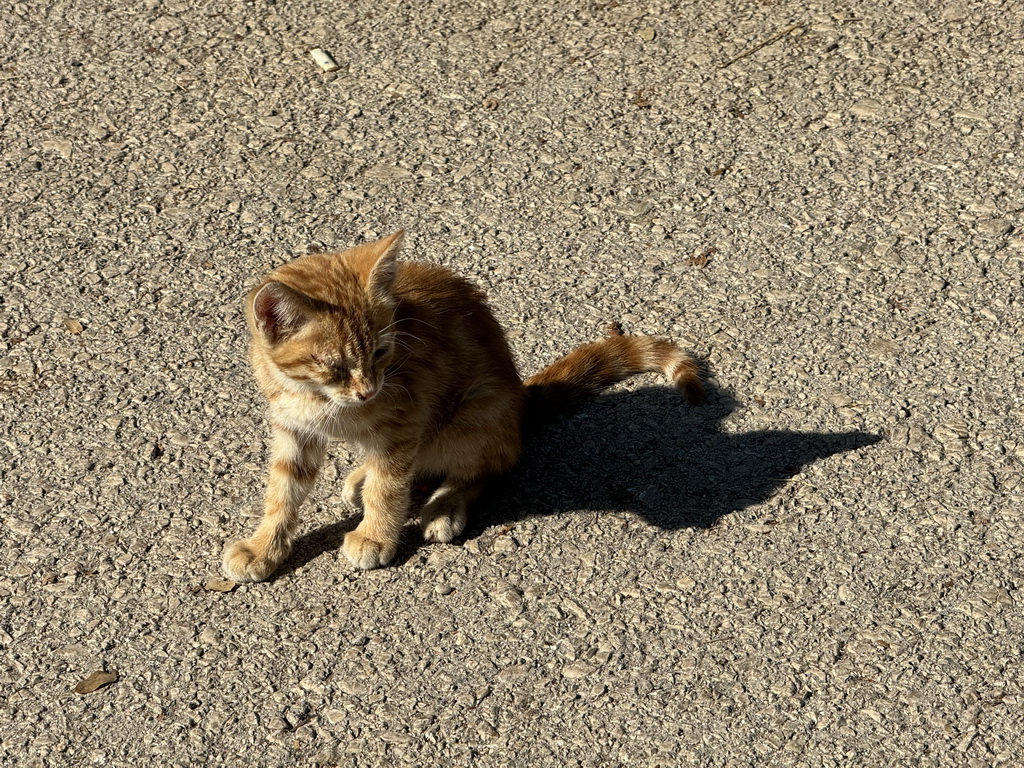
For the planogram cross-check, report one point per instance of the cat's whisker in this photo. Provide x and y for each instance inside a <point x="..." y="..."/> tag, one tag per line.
<point x="325" y="415"/>
<point x="419" y="320"/>
<point x="403" y="345"/>
<point x="414" y="320"/>
<point x="391" y="386"/>
<point x="396" y="365"/>
<point x="328" y="414"/>
<point x="410" y="335"/>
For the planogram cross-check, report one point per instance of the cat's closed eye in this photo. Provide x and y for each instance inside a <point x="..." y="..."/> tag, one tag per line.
<point x="337" y="368"/>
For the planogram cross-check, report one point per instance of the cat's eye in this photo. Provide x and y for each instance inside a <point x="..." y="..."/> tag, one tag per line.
<point x="379" y="352"/>
<point x="334" y="366"/>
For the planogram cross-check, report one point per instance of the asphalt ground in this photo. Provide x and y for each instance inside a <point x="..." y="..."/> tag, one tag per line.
<point x="819" y="566"/>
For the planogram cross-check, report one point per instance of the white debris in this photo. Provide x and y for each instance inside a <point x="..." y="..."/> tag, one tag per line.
<point x="324" y="60"/>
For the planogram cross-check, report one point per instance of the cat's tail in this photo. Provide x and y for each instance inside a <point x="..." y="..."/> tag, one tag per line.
<point x="570" y="381"/>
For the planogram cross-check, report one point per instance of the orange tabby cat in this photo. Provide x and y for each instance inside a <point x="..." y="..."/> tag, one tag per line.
<point x="407" y="362"/>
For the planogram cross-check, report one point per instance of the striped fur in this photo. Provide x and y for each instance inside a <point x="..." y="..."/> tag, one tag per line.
<point x="563" y="386"/>
<point x="407" y="362"/>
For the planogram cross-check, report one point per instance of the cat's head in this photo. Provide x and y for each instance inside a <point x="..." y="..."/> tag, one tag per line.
<point x="325" y="323"/>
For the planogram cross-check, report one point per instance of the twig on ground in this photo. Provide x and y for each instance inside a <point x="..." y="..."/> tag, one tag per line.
<point x="758" y="47"/>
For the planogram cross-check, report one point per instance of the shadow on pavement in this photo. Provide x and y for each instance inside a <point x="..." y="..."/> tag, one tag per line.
<point x="650" y="453"/>
<point x="309" y="546"/>
<point x="644" y="451"/>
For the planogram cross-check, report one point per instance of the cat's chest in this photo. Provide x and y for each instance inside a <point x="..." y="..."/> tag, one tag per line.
<point x="317" y="418"/>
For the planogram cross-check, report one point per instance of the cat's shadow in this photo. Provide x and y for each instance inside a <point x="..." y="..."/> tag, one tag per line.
<point x="643" y="451"/>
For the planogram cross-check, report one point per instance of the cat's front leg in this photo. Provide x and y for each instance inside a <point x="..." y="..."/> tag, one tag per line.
<point x="385" y="497"/>
<point x="294" y="462"/>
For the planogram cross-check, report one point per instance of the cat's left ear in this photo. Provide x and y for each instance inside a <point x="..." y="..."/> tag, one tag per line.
<point x="383" y="269"/>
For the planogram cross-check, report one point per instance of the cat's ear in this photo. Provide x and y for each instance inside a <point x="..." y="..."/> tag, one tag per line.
<point x="276" y="311"/>
<point x="379" y="263"/>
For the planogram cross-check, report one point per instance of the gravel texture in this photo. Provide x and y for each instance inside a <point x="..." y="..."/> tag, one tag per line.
<point x="821" y="566"/>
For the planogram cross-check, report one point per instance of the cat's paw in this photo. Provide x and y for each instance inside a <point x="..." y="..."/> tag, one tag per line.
<point x="365" y="552"/>
<point x="352" y="489"/>
<point x="443" y="518"/>
<point x="242" y="563"/>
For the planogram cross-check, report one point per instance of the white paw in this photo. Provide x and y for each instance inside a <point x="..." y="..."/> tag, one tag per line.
<point x="365" y="552"/>
<point x="443" y="517"/>
<point x="242" y="563"/>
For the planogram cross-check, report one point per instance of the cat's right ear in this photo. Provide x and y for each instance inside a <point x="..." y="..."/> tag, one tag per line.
<point x="276" y="311"/>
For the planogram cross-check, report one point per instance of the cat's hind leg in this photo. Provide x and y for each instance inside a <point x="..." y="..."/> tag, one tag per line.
<point x="444" y="515"/>
<point x="481" y="441"/>
<point x="352" y="490"/>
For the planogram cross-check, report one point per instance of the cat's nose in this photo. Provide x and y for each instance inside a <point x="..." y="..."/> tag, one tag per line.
<point x="366" y="393"/>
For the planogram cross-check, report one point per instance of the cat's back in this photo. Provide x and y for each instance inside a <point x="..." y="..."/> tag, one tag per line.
<point x="436" y="286"/>
<point x="453" y="314"/>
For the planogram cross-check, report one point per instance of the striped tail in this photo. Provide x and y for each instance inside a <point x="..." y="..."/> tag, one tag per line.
<point x="566" y="384"/>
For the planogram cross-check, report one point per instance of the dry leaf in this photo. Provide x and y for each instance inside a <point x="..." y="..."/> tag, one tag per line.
<point x="614" y="329"/>
<point x="95" y="681"/>
<point x="701" y="260"/>
<point x="641" y="99"/>
<point x="220" y="585"/>
<point x="73" y="325"/>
